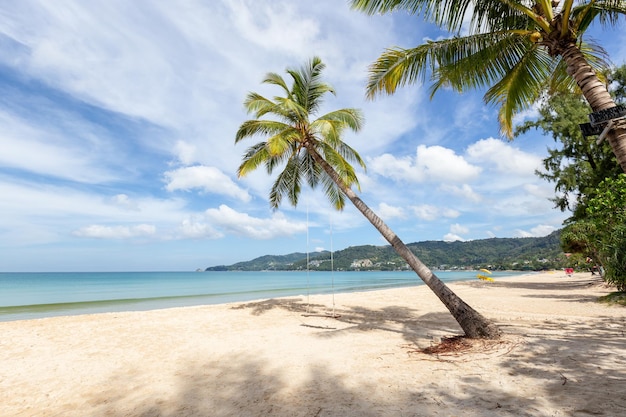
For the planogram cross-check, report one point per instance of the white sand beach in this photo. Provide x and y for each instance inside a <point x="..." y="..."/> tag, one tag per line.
<point x="563" y="354"/>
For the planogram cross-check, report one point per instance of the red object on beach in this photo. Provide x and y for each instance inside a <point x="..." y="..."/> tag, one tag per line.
<point x="569" y="271"/>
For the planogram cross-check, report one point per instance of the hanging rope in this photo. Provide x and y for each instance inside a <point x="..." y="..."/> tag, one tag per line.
<point x="332" y="267"/>
<point x="307" y="257"/>
<point x="332" y="263"/>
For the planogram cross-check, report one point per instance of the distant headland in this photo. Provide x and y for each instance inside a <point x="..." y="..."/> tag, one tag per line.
<point x="521" y="254"/>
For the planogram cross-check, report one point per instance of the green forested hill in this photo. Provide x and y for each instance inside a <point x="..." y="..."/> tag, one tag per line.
<point x="533" y="253"/>
<point x="267" y="262"/>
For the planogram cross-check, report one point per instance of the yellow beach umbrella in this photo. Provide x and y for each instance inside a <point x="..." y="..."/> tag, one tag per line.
<point x="484" y="277"/>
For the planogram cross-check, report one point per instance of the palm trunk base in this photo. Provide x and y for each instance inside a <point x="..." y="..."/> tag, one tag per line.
<point x="476" y="326"/>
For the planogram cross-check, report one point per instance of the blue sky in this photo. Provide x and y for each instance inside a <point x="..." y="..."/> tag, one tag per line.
<point x="117" y="142"/>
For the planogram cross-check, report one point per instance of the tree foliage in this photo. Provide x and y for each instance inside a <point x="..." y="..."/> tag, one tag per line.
<point x="617" y="83"/>
<point x="601" y="236"/>
<point x="577" y="164"/>
<point x="588" y="181"/>
<point x="607" y="211"/>
<point x="294" y="125"/>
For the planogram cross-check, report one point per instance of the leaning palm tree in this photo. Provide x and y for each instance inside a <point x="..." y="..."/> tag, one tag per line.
<point x="312" y="150"/>
<point x="518" y="49"/>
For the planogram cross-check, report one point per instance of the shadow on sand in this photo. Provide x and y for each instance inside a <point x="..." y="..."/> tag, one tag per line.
<point x="578" y="372"/>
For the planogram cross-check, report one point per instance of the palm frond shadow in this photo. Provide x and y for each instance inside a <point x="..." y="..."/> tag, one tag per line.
<point x="408" y="322"/>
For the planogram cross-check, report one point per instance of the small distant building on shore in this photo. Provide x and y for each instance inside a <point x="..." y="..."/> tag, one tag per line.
<point x="361" y="263"/>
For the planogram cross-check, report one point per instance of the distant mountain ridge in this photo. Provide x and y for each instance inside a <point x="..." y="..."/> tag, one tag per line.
<point x="531" y="253"/>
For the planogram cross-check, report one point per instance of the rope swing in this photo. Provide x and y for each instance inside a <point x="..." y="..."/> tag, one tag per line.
<point x="307" y="257"/>
<point x="332" y="266"/>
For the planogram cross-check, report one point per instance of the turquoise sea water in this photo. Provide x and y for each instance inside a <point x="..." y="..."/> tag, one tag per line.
<point x="37" y="295"/>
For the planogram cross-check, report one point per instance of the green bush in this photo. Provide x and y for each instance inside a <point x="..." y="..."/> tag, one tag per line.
<point x="607" y="214"/>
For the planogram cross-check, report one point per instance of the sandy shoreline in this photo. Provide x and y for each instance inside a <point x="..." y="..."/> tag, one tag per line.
<point x="563" y="355"/>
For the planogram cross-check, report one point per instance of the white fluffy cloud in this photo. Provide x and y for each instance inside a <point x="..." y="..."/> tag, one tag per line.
<point x="429" y="212"/>
<point x="243" y="224"/>
<point x="208" y="179"/>
<point x="194" y="228"/>
<point x="537" y="231"/>
<point x="503" y="158"/>
<point x="431" y="164"/>
<point x="387" y="211"/>
<point x="276" y="24"/>
<point x="523" y="202"/>
<point x="465" y="191"/>
<point x="116" y="232"/>
<point x="458" y="229"/>
<point x="125" y="202"/>
<point x="451" y="237"/>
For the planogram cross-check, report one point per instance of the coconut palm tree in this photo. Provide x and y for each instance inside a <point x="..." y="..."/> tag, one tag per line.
<point x="312" y="150"/>
<point x="517" y="49"/>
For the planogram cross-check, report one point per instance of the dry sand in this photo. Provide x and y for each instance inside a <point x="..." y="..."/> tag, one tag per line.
<point x="563" y="355"/>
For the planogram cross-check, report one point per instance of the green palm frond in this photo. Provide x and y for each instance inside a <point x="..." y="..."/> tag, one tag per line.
<point x="258" y="105"/>
<point x="331" y="126"/>
<point x="461" y="62"/>
<point x="283" y="142"/>
<point x="350" y="154"/>
<point x="275" y="161"/>
<point x="521" y="86"/>
<point x="333" y="193"/>
<point x="261" y="128"/>
<point x="340" y="165"/>
<point x="454" y="15"/>
<point x="396" y="68"/>
<point x="294" y="142"/>
<point x="476" y="61"/>
<point x="288" y="183"/>
<point x="481" y="16"/>
<point x="308" y="87"/>
<point x="254" y="156"/>
<point x="499" y="15"/>
<point x="275" y="79"/>
<point x="385" y="6"/>
<point x="310" y="169"/>
<point x="331" y="137"/>
<point x="350" y="118"/>
<point x="561" y="82"/>
<point x="595" y="55"/>
<point x="607" y="12"/>
<point x="330" y="131"/>
<point x="291" y="110"/>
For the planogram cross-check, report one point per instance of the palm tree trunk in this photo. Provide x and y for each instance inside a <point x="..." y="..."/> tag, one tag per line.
<point x="597" y="96"/>
<point x="471" y="321"/>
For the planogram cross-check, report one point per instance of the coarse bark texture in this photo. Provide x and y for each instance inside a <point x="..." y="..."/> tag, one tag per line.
<point x="597" y="96"/>
<point x="474" y="324"/>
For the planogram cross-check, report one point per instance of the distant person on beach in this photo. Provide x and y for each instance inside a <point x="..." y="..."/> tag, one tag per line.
<point x="593" y="268"/>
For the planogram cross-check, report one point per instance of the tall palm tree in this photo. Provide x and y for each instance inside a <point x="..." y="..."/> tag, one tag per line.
<point x="515" y="48"/>
<point x="313" y="150"/>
